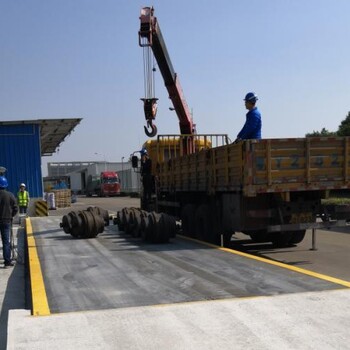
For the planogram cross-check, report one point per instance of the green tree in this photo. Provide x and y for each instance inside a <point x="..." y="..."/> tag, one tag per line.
<point x="322" y="133"/>
<point x="344" y="127"/>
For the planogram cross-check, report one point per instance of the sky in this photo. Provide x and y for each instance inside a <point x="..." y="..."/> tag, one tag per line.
<point x="81" y="59"/>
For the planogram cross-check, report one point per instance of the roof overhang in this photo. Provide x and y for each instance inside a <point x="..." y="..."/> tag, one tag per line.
<point x="52" y="131"/>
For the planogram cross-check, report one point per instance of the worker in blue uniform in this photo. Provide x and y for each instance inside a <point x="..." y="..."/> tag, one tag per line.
<point x="8" y="209"/>
<point x="252" y="127"/>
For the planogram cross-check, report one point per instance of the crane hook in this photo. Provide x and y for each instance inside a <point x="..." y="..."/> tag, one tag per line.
<point x="150" y="109"/>
<point x="153" y="131"/>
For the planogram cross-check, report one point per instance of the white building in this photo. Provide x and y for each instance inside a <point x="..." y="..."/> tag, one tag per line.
<point x="78" y="173"/>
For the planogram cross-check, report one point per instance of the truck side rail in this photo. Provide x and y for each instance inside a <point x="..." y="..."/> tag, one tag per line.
<point x="302" y="164"/>
<point x="258" y="166"/>
<point x="184" y="172"/>
<point x="174" y="145"/>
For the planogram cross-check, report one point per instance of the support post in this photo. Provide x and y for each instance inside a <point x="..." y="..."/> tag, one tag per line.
<point x="313" y="239"/>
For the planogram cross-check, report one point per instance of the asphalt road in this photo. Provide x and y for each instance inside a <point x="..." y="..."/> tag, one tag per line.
<point x="114" y="270"/>
<point x="332" y="256"/>
<point x="296" y="309"/>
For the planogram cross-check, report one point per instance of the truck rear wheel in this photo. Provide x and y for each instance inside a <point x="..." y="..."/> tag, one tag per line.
<point x="281" y="239"/>
<point x="297" y="236"/>
<point x="203" y="222"/>
<point x="206" y="229"/>
<point x="188" y="220"/>
<point x="227" y="239"/>
<point x="260" y="236"/>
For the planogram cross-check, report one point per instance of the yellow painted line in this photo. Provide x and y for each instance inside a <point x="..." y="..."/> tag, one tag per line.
<point x="275" y="263"/>
<point x="40" y="304"/>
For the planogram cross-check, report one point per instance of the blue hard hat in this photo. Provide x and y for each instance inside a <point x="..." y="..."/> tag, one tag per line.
<point x="143" y="151"/>
<point x="3" y="182"/>
<point x="251" y="97"/>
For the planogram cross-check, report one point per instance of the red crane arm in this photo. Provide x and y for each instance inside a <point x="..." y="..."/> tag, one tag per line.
<point x="150" y="35"/>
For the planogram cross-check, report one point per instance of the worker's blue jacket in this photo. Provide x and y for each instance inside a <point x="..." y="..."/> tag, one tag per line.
<point x="252" y="127"/>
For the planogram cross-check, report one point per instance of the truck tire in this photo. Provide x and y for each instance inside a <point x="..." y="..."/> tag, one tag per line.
<point x="281" y="239"/>
<point x="260" y="236"/>
<point x="204" y="223"/>
<point x="188" y="220"/>
<point x="227" y="239"/>
<point x="297" y="236"/>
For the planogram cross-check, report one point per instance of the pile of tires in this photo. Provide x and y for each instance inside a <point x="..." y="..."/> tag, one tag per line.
<point x="85" y="223"/>
<point x="150" y="226"/>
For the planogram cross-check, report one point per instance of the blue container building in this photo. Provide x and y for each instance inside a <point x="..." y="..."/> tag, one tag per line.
<point x="22" y="143"/>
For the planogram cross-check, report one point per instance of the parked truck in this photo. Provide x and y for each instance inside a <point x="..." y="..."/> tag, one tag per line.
<point x="269" y="189"/>
<point x="106" y="184"/>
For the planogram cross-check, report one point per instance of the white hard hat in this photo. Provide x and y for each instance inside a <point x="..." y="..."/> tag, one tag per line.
<point x="22" y="185"/>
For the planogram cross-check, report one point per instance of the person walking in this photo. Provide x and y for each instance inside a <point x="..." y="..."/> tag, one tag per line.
<point x="8" y="209"/>
<point x="252" y="126"/>
<point x="23" y="199"/>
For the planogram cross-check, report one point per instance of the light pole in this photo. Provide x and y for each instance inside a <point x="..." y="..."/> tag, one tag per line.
<point x="122" y="173"/>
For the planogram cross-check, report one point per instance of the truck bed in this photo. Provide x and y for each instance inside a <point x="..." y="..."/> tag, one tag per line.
<point x="261" y="166"/>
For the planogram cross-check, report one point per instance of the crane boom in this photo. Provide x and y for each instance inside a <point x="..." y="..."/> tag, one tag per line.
<point x="150" y="36"/>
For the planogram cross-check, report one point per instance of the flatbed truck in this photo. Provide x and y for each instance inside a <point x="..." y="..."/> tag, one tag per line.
<point x="270" y="189"/>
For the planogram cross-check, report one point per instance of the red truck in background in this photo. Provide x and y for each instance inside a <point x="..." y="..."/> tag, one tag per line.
<point x="107" y="184"/>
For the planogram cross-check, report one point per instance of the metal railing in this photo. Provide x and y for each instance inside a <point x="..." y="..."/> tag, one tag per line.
<point x="173" y="146"/>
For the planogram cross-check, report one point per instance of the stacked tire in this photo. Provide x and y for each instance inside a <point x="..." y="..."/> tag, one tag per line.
<point x="85" y="223"/>
<point x="150" y="226"/>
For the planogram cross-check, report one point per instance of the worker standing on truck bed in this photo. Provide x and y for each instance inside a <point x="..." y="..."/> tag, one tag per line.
<point x="146" y="173"/>
<point x="252" y="126"/>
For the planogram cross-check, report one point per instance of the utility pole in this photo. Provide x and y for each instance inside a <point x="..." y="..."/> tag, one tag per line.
<point x="122" y="177"/>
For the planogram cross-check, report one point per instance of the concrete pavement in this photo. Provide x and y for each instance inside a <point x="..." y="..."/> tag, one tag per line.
<point x="13" y="285"/>
<point x="312" y="320"/>
<point x="316" y="320"/>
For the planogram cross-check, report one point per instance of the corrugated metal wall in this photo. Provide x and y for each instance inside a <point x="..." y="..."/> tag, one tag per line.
<point x="20" y="154"/>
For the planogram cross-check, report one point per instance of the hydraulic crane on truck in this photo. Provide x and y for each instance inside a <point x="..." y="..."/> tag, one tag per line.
<point x="151" y="39"/>
<point x="269" y="189"/>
